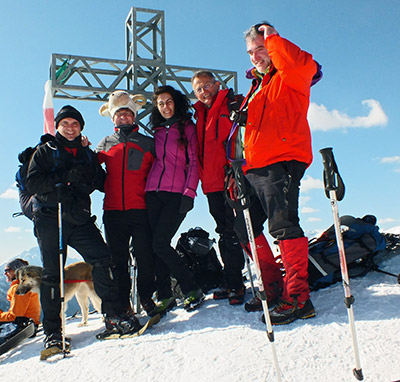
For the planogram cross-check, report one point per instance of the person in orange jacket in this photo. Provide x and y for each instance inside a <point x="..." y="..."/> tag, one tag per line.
<point x="213" y="127"/>
<point x="26" y="305"/>
<point x="277" y="151"/>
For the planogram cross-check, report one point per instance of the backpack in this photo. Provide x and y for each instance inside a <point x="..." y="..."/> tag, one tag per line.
<point x="26" y="199"/>
<point x="362" y="241"/>
<point x="197" y="251"/>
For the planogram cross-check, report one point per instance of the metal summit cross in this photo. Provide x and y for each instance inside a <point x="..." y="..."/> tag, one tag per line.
<point x="143" y="70"/>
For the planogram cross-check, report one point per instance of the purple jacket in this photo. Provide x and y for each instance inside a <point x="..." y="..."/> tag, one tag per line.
<point x="175" y="166"/>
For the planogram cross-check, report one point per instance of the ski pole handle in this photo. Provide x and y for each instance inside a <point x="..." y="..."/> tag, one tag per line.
<point x="239" y="179"/>
<point x="59" y="187"/>
<point x="332" y="179"/>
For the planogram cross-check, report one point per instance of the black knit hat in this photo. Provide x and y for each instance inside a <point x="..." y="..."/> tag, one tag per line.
<point x="69" y="112"/>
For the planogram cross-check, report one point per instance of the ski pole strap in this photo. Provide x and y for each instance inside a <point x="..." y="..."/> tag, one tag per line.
<point x="332" y="179"/>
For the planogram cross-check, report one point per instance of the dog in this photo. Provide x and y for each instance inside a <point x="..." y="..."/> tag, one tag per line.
<point x="78" y="282"/>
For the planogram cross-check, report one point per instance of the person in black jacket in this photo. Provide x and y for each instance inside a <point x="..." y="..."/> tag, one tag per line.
<point x="65" y="170"/>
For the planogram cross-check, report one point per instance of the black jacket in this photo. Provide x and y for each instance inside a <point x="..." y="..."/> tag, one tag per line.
<point x="64" y="169"/>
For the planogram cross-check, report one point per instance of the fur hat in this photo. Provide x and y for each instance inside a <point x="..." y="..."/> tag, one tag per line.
<point x="121" y="99"/>
<point x="16" y="263"/>
<point x="69" y="112"/>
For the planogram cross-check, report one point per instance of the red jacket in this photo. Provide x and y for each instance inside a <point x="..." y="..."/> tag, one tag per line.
<point x="277" y="128"/>
<point x="212" y="127"/>
<point x="21" y="305"/>
<point x="128" y="160"/>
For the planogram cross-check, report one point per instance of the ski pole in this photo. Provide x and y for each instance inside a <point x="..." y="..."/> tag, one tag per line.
<point x="247" y="261"/>
<point x="61" y="254"/>
<point x="231" y="196"/>
<point x="334" y="187"/>
<point x="134" y="289"/>
<point x="240" y="184"/>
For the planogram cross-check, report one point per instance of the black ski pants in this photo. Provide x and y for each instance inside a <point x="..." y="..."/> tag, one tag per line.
<point x="165" y="219"/>
<point x="122" y="227"/>
<point x="87" y="240"/>
<point x="277" y="187"/>
<point x="229" y="246"/>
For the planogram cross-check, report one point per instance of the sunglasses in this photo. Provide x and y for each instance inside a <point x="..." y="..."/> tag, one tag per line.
<point x="7" y="270"/>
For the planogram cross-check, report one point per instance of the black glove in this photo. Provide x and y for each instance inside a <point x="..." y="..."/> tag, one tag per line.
<point x="186" y="204"/>
<point x="78" y="174"/>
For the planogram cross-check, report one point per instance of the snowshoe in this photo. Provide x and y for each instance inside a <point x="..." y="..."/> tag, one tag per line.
<point x="113" y="332"/>
<point x="193" y="299"/>
<point x="53" y="344"/>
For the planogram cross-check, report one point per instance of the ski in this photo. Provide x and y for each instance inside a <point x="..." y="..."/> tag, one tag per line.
<point x="111" y="335"/>
<point x="14" y="338"/>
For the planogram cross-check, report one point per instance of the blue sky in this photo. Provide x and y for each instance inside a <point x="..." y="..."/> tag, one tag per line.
<point x="354" y="109"/>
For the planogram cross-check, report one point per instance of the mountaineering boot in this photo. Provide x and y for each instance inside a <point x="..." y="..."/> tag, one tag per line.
<point x="55" y="340"/>
<point x="236" y="296"/>
<point x="148" y="305"/>
<point x="287" y="312"/>
<point x="273" y="292"/>
<point x="253" y="305"/>
<point x="193" y="299"/>
<point x="117" y="326"/>
<point x="164" y="306"/>
<point x="221" y="294"/>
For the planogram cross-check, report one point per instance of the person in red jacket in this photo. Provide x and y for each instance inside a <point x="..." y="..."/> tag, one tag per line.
<point x="212" y="127"/>
<point x="128" y="156"/>
<point x="277" y="151"/>
<point x="26" y="305"/>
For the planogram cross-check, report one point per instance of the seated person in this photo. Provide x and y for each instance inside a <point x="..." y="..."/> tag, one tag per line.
<point x="26" y="305"/>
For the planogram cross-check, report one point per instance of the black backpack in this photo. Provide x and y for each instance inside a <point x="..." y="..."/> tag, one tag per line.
<point x="25" y="197"/>
<point x="196" y="249"/>
<point x="362" y="241"/>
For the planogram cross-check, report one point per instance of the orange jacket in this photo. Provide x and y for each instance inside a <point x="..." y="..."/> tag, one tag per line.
<point x="21" y="305"/>
<point x="277" y="128"/>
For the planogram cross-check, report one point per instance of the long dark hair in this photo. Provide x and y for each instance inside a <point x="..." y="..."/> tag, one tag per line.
<point x="182" y="110"/>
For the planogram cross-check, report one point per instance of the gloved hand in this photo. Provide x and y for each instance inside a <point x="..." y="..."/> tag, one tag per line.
<point x="186" y="204"/>
<point x="78" y="174"/>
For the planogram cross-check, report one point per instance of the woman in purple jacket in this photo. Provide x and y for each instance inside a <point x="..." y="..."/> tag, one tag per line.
<point x="170" y="190"/>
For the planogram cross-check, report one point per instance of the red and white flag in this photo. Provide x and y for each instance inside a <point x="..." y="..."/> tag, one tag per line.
<point x="48" y="109"/>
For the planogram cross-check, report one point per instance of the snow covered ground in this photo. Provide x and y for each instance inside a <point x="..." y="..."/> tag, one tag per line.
<point x="220" y="343"/>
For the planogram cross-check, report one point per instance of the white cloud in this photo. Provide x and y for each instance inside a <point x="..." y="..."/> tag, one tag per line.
<point x="386" y="220"/>
<point x="12" y="229"/>
<point x="314" y="219"/>
<point x="395" y="159"/>
<point x="308" y="210"/>
<point x="309" y="183"/>
<point x="10" y="193"/>
<point x="320" y="118"/>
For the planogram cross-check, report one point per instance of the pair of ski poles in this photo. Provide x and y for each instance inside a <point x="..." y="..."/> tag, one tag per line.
<point x="334" y="189"/>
